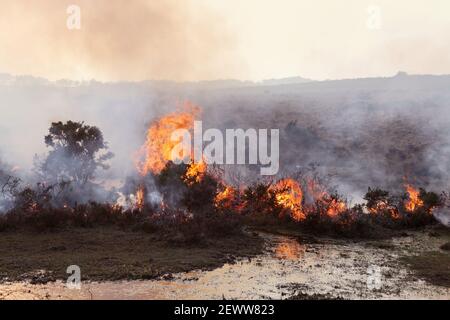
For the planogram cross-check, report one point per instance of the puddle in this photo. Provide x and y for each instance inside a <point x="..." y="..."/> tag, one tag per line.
<point x="289" y="249"/>
<point x="284" y="269"/>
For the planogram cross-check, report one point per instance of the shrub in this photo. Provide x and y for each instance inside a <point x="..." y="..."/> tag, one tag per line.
<point x="260" y="199"/>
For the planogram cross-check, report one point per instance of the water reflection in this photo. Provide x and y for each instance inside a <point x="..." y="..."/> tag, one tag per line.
<point x="289" y="249"/>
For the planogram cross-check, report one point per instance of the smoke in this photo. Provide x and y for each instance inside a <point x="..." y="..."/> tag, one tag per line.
<point x="361" y="133"/>
<point x="8" y="183"/>
<point x="133" y="40"/>
<point x="380" y="132"/>
<point x="443" y="216"/>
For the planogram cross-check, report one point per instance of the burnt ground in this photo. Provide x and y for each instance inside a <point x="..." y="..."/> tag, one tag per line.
<point x="108" y="253"/>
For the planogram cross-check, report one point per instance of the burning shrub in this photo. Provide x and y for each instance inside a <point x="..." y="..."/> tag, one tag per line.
<point x="289" y="196"/>
<point x="32" y="200"/>
<point x="377" y="199"/>
<point x="189" y="202"/>
<point x="330" y="214"/>
<point x="228" y="200"/>
<point x="430" y="200"/>
<point x="382" y="207"/>
<point x="261" y="199"/>
<point x="410" y="210"/>
<point x="419" y="206"/>
<point x="317" y="219"/>
<point x="182" y="185"/>
<point x="170" y="183"/>
<point x="199" y="197"/>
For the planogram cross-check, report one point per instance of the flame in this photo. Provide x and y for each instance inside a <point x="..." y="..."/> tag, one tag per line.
<point x="132" y="201"/>
<point x="289" y="195"/>
<point x="336" y="207"/>
<point x="318" y="194"/>
<point x="33" y="207"/>
<point x="195" y="172"/>
<point x="225" y="198"/>
<point x="414" y="201"/>
<point x="140" y="196"/>
<point x="157" y="150"/>
<point x="384" y="207"/>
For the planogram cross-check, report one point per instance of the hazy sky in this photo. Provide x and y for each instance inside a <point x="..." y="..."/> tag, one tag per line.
<point x="217" y="39"/>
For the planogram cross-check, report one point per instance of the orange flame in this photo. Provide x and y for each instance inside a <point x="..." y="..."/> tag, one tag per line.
<point x="157" y="150"/>
<point x="225" y="198"/>
<point x="414" y="201"/>
<point x="336" y="207"/>
<point x="318" y="193"/>
<point x="195" y="172"/>
<point x="289" y="195"/>
<point x="140" y="196"/>
<point x="384" y="207"/>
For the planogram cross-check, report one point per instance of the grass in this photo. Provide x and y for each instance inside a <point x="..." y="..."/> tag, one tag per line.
<point x="431" y="266"/>
<point x="108" y="253"/>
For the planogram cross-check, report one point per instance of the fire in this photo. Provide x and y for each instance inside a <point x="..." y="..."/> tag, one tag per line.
<point x="225" y="195"/>
<point x="140" y="196"/>
<point x="225" y="198"/>
<point x="384" y="207"/>
<point x="157" y="150"/>
<point x="289" y="195"/>
<point x="414" y="201"/>
<point x="131" y="202"/>
<point x="195" y="172"/>
<point x="336" y="207"/>
<point x="33" y="207"/>
<point x="318" y="194"/>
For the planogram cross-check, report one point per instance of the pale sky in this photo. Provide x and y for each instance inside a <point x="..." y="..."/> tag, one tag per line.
<point x="218" y="39"/>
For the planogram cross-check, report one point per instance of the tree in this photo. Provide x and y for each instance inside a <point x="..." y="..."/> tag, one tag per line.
<point x="77" y="151"/>
<point x="377" y="198"/>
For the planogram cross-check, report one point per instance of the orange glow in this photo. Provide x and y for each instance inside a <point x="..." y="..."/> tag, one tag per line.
<point x="140" y="198"/>
<point x="289" y="250"/>
<point x="289" y="195"/>
<point x="157" y="150"/>
<point x="384" y="207"/>
<point x="33" y="207"/>
<point x="336" y="207"/>
<point x="195" y="172"/>
<point x="318" y="193"/>
<point x="225" y="198"/>
<point x="414" y="201"/>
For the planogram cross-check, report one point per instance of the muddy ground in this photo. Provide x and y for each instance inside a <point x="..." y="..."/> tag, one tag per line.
<point x="290" y="266"/>
<point x="109" y="253"/>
